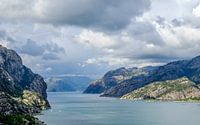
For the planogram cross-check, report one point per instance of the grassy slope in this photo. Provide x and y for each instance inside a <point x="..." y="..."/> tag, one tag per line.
<point x="172" y="90"/>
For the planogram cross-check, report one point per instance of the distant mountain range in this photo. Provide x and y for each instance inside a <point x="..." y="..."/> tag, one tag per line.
<point x="120" y="82"/>
<point x="67" y="83"/>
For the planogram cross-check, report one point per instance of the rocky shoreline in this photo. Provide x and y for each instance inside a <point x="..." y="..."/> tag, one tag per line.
<point x="180" y="90"/>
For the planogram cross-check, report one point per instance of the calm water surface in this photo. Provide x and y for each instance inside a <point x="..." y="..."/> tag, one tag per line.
<point x="86" y="109"/>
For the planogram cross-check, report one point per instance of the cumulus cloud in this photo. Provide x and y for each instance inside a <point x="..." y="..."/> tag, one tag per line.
<point x="154" y="40"/>
<point x="93" y="36"/>
<point x="95" y="39"/>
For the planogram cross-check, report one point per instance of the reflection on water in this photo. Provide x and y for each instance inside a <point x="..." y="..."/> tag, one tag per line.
<point x="86" y="109"/>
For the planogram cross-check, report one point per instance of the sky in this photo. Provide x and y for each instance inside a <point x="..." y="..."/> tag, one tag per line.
<point x="90" y="37"/>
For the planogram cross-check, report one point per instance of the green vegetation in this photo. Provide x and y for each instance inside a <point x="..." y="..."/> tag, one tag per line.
<point x="19" y="120"/>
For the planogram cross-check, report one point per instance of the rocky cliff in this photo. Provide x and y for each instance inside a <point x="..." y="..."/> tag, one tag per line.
<point x="21" y="91"/>
<point x="15" y="77"/>
<point x="181" y="89"/>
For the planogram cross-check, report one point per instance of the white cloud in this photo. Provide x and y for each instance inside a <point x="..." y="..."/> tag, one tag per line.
<point x="95" y="39"/>
<point x="119" y="62"/>
<point x="196" y="11"/>
<point x="112" y="61"/>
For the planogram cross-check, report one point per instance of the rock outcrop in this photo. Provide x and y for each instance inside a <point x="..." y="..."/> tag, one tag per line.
<point x="10" y="105"/>
<point x="171" y="90"/>
<point x="33" y="99"/>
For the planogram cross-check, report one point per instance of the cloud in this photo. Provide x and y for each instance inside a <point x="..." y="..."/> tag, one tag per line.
<point x="47" y="51"/>
<point x="112" y="61"/>
<point x="5" y="39"/>
<point x="53" y="47"/>
<point x="15" y="9"/>
<point x="196" y="11"/>
<point x="177" y="22"/>
<point x="144" y="40"/>
<point x="32" y="48"/>
<point x="50" y="56"/>
<point x="100" y="14"/>
<point x="144" y="31"/>
<point x="119" y="62"/>
<point x="95" y="39"/>
<point x="94" y="36"/>
<point x="3" y="35"/>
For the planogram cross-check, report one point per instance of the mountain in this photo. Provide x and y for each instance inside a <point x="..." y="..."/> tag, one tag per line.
<point x="115" y="77"/>
<point x="15" y="77"/>
<point x="181" y="89"/>
<point x="21" y="91"/>
<point x="67" y="83"/>
<point x="170" y="71"/>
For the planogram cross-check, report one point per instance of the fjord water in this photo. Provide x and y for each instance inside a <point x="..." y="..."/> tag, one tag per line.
<point x="87" y="109"/>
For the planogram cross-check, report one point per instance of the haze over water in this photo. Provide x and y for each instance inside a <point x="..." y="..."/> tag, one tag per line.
<point x="86" y="109"/>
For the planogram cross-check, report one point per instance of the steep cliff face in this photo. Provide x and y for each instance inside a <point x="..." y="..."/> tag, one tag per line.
<point x="22" y="93"/>
<point x="181" y="89"/>
<point x="15" y="77"/>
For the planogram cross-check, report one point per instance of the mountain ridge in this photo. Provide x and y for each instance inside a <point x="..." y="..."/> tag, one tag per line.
<point x="171" y="71"/>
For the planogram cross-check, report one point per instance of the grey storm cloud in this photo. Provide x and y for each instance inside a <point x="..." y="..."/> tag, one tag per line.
<point x="109" y="14"/>
<point x="157" y="57"/>
<point x="32" y="48"/>
<point x="100" y="14"/>
<point x="5" y="36"/>
<point x="177" y="22"/>
<point x="52" y="47"/>
<point x="145" y="31"/>
<point x="50" y="56"/>
<point x="47" y="51"/>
